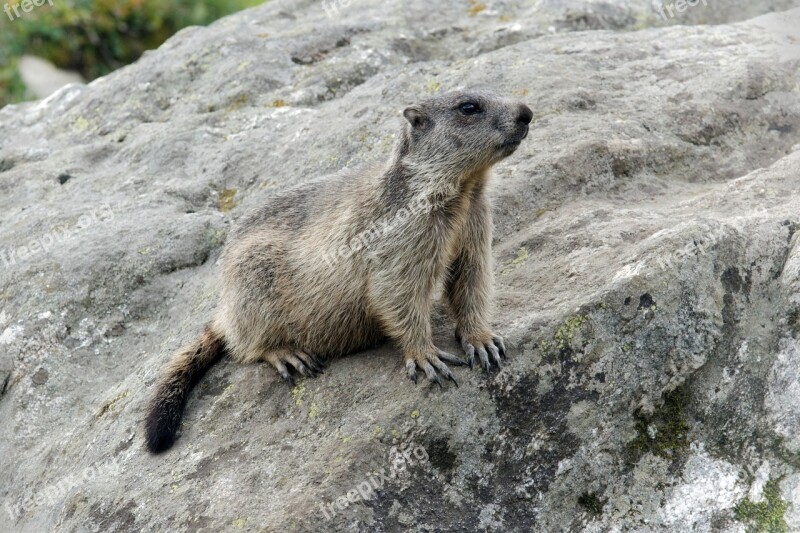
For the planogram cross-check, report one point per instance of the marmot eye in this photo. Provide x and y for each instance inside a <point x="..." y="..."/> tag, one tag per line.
<point x="469" y="108"/>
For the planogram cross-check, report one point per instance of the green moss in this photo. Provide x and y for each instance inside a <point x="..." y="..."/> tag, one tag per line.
<point x="665" y="433"/>
<point x="590" y="502"/>
<point x="764" y="516"/>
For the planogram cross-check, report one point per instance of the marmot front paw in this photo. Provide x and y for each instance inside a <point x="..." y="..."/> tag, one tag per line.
<point x="432" y="363"/>
<point x="484" y="344"/>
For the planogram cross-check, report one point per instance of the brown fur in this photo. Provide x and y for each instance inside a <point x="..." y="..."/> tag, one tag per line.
<point x="298" y="289"/>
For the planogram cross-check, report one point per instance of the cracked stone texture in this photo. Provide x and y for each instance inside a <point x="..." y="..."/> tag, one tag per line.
<point x="647" y="273"/>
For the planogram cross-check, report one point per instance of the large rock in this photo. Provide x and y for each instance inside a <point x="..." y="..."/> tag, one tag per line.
<point x="647" y="278"/>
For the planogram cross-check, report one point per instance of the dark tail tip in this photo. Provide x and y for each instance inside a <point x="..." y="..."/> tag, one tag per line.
<point x="182" y="373"/>
<point x="161" y="428"/>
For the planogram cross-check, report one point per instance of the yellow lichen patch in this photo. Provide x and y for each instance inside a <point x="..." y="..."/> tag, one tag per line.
<point x="313" y="410"/>
<point x="237" y="103"/>
<point x="279" y="103"/>
<point x="475" y="7"/>
<point x="386" y="142"/>
<point x="433" y="86"/>
<point x="565" y="334"/>
<point x="522" y="256"/>
<point x="226" y="200"/>
<point x="362" y="136"/>
<point x="81" y="124"/>
<point x="215" y="237"/>
<point x="415" y="413"/>
<point x="520" y="92"/>
<point x="297" y="393"/>
<point x="109" y="406"/>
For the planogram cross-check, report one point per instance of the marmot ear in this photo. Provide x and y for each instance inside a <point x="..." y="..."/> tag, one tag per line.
<point x="415" y="116"/>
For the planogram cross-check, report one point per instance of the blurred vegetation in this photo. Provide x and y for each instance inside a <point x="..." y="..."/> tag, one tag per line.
<point x="95" y="37"/>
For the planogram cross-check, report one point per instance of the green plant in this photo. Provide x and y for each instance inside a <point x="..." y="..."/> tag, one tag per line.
<point x="95" y="37"/>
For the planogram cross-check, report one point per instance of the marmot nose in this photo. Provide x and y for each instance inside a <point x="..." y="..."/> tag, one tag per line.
<point x="525" y="114"/>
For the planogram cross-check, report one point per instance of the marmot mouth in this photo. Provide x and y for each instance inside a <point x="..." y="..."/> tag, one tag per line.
<point x="508" y="148"/>
<point x="514" y="142"/>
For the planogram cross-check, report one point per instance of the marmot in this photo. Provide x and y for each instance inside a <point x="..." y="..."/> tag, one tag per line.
<point x="338" y="264"/>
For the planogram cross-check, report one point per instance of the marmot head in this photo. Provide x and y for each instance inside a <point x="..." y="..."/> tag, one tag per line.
<point x="463" y="131"/>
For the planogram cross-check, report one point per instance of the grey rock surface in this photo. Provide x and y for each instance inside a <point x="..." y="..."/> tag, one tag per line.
<point x="647" y="277"/>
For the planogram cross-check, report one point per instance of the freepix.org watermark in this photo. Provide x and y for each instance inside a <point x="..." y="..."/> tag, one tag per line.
<point x="364" y="491"/>
<point x="332" y="7"/>
<point x="12" y="10"/>
<point x="9" y="257"/>
<point x="668" y="11"/>
<point x="55" y="492"/>
<point x="376" y="230"/>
